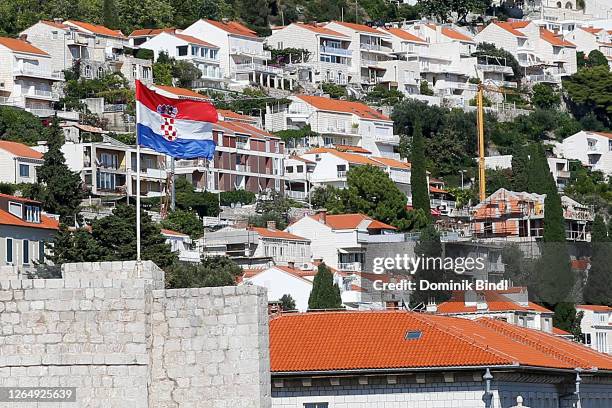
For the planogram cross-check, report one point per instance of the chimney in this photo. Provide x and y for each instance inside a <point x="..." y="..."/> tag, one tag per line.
<point x="291" y="264"/>
<point x="322" y="213"/>
<point x="271" y="225"/>
<point x="23" y="37"/>
<point x="58" y="20"/>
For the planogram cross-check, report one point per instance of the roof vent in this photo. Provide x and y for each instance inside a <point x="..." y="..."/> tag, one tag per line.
<point x="413" y="335"/>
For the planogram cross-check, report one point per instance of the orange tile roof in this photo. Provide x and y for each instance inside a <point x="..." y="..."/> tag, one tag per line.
<point x="604" y="134"/>
<point x="245" y="129"/>
<point x="350" y="221"/>
<point x="519" y="24"/>
<point x="320" y="30"/>
<point x="193" y="40"/>
<point x="145" y="32"/>
<point x="46" y="222"/>
<point x="352" y="149"/>
<point x="560" y="332"/>
<point x="359" y="27"/>
<point x="233" y="27"/>
<point x="591" y="30"/>
<point x="297" y="272"/>
<point x="355" y="158"/>
<point x="20" y="150"/>
<point x="337" y="341"/>
<point x="434" y="189"/>
<point x="508" y="27"/>
<point x="455" y="35"/>
<point x="496" y="302"/>
<point x="392" y="162"/>
<point x="22" y="46"/>
<point x="595" y="308"/>
<point x="171" y="232"/>
<point x="61" y="26"/>
<point x="226" y="113"/>
<point x="97" y="29"/>
<point x="404" y="35"/>
<point x="181" y="91"/>
<point x="551" y="38"/>
<point x="274" y="233"/>
<point x="335" y="105"/>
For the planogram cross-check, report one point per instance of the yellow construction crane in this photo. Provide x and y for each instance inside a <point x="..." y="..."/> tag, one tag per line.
<point x="482" y="183"/>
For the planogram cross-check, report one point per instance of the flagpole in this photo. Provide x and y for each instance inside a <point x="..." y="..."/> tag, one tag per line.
<point x="138" y="258"/>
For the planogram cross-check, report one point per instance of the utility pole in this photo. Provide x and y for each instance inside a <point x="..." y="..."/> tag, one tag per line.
<point x="173" y="191"/>
<point x="481" y="146"/>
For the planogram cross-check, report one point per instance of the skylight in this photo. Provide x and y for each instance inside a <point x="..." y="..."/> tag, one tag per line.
<point x="413" y="335"/>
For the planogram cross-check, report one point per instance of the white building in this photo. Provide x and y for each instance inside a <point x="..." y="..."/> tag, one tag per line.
<point x="338" y="122"/>
<point x="369" y="47"/>
<point x="181" y="47"/>
<point x="24" y="230"/>
<point x="98" y="49"/>
<point x="330" y="52"/>
<point x="332" y="166"/>
<point x="298" y="175"/>
<point x="182" y="245"/>
<point x="242" y="57"/>
<point x="588" y="39"/>
<point x="593" y="149"/>
<point x="512" y="306"/>
<point x="543" y="55"/>
<point x="596" y="326"/>
<point x="340" y="240"/>
<point x="406" y="72"/>
<point x="26" y="76"/>
<point x="559" y="167"/>
<point x="18" y="163"/>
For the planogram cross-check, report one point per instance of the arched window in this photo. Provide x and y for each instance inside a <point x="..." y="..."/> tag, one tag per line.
<point x="568" y="5"/>
<point x="87" y="71"/>
<point x="559" y="4"/>
<point x="100" y="72"/>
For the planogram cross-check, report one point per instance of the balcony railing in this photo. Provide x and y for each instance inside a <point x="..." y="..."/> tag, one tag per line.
<point x="41" y="93"/>
<point x="242" y="145"/>
<point x="341" y="173"/>
<point x="544" y="78"/>
<point x="298" y="195"/>
<point x="374" y="47"/>
<point x="336" y="51"/>
<point x="190" y="163"/>
<point x="350" y="266"/>
<point x="494" y="68"/>
<point x="387" y="138"/>
<point x="245" y="168"/>
<point x="25" y="71"/>
<point x="253" y="66"/>
<point x="265" y="55"/>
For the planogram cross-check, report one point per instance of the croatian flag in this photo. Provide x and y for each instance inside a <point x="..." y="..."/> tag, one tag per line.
<point x="180" y="128"/>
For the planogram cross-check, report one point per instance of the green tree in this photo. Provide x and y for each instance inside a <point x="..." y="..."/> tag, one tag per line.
<point x="598" y="288"/>
<point x="370" y="191"/>
<point x="590" y="90"/>
<point x="418" y="175"/>
<point x="162" y="73"/>
<point x="596" y="59"/>
<point x="325" y="294"/>
<point x="58" y="188"/>
<point x="384" y="95"/>
<point x="287" y="303"/>
<point x="520" y="169"/>
<point x="540" y="179"/>
<point x="566" y="318"/>
<point x="186" y="222"/>
<point x="498" y="56"/>
<point x="109" y="14"/>
<point x="205" y="204"/>
<point x="443" y="9"/>
<point x="17" y="125"/>
<point x="424" y="88"/>
<point x="329" y="197"/>
<point x="244" y="197"/>
<point x="74" y="246"/>
<point x="212" y="271"/>
<point x="545" y="97"/>
<point x="255" y="14"/>
<point x="334" y="91"/>
<point x="430" y="246"/>
<point x="185" y="72"/>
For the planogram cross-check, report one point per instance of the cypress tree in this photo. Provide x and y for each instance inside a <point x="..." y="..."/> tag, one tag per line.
<point x="418" y="176"/>
<point x="430" y="246"/>
<point x="540" y="180"/>
<point x="598" y="288"/>
<point x="325" y="293"/>
<point x="520" y="170"/>
<point x="58" y="188"/>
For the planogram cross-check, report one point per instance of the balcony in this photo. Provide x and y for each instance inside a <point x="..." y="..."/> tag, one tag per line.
<point x="38" y="73"/>
<point x="400" y="176"/>
<point x="260" y="54"/>
<point x="388" y="139"/>
<point x="47" y="113"/>
<point x="242" y="145"/>
<point x="350" y="266"/>
<point x="563" y="174"/>
<point x="243" y="168"/>
<point x="76" y="39"/>
<point x="364" y="237"/>
<point x="374" y="47"/>
<point x="336" y="51"/>
<point x="256" y="67"/>
<point x="41" y="94"/>
<point x="546" y="78"/>
<point x="296" y="195"/>
<point x="197" y="163"/>
<point x="341" y="174"/>
<point x="494" y="68"/>
<point x="341" y="130"/>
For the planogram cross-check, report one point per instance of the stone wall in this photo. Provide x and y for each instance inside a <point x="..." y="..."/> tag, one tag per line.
<point x="112" y="331"/>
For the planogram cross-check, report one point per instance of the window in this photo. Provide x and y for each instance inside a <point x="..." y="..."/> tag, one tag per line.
<point x="26" y="251"/>
<point x="134" y="71"/>
<point x="146" y="72"/>
<point x="54" y="35"/>
<point x="32" y="213"/>
<point x="9" y="250"/>
<point x="316" y="405"/>
<point x="299" y="169"/>
<point x="182" y="50"/>
<point x="87" y="71"/>
<point x="194" y="50"/>
<point x="16" y="209"/>
<point x="100" y="72"/>
<point x="289" y="169"/>
<point x="24" y="170"/>
<point x="41" y="251"/>
<point x="587" y="338"/>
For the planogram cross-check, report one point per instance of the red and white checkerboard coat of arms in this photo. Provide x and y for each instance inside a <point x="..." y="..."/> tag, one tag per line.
<point x="167" y="128"/>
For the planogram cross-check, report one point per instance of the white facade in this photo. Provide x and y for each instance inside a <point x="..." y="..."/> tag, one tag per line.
<point x="281" y="281"/>
<point x="203" y="55"/>
<point x="18" y="163"/>
<point x="241" y="54"/>
<point x="26" y="76"/>
<point x="596" y="326"/>
<point x="330" y="54"/>
<point x="588" y="39"/>
<point x="593" y="149"/>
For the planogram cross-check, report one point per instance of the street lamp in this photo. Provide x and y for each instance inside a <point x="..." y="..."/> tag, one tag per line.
<point x="462" y="171"/>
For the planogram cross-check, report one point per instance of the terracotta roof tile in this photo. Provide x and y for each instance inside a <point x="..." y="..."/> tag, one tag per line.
<point x="334" y="105"/>
<point x="355" y="158"/>
<point x="245" y="129"/>
<point x="359" y="27"/>
<point x="352" y="149"/>
<point x="455" y="35"/>
<point x="61" y="26"/>
<point x="20" y="150"/>
<point x="496" y="302"/>
<point x="604" y="134"/>
<point x="311" y="342"/>
<point x="560" y="332"/>
<point x="16" y="45"/>
<point x="45" y="221"/>
<point x="181" y="92"/>
<point x="193" y="40"/>
<point x="351" y="221"/>
<point x="508" y="27"/>
<point x="553" y="39"/>
<point x="96" y="29"/>
<point x="404" y="35"/>
<point x="595" y="308"/>
<point x="392" y="162"/>
<point x="320" y="30"/>
<point x="171" y="232"/>
<point x="233" y="27"/>
<point x="519" y="24"/>
<point x="591" y="30"/>
<point x="146" y="32"/>
<point x="274" y="233"/>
